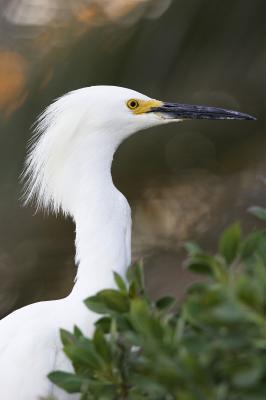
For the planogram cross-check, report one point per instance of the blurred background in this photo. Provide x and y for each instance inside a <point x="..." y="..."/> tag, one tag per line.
<point x="184" y="182"/>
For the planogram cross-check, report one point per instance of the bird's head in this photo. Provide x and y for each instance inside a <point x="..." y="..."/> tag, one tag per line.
<point x="81" y="130"/>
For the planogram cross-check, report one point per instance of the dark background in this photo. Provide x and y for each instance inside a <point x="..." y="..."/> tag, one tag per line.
<point x="184" y="182"/>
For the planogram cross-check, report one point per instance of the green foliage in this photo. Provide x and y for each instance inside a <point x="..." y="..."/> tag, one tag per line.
<point x="258" y="212"/>
<point x="213" y="346"/>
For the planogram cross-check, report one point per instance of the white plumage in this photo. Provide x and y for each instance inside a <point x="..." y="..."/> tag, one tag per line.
<point x="68" y="168"/>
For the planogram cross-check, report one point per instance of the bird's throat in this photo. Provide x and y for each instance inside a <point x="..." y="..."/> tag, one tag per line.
<point x="103" y="234"/>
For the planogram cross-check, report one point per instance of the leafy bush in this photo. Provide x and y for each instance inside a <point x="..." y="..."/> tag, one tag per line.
<point x="212" y="346"/>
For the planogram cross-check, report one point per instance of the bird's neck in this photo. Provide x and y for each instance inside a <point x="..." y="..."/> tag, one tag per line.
<point x="102" y="219"/>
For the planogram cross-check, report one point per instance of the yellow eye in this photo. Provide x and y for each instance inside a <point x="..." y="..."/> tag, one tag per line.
<point x="133" y="104"/>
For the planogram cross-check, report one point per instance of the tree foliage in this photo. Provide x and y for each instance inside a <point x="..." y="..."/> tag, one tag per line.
<point x="212" y="346"/>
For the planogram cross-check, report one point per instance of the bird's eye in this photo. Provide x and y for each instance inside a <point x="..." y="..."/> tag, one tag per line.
<point x="132" y="104"/>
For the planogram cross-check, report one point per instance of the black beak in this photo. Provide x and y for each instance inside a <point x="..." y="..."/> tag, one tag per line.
<point x="186" y="111"/>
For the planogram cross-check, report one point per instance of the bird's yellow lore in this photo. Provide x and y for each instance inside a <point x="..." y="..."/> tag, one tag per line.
<point x="139" y="106"/>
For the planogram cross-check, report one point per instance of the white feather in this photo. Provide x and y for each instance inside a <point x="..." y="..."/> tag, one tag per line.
<point x="68" y="167"/>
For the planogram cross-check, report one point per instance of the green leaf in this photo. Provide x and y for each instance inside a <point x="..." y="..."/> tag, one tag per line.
<point x="67" y="337"/>
<point x="229" y="242"/>
<point x="251" y="244"/>
<point x="108" y="300"/>
<point x="102" y="346"/>
<point x="104" y="324"/>
<point x="248" y="373"/>
<point x="115" y="300"/>
<point x="143" y="321"/>
<point x="192" y="248"/>
<point x="77" y="332"/>
<point x="71" y="383"/>
<point x="139" y="272"/>
<point x="139" y="310"/>
<point x="227" y="313"/>
<point x="133" y="290"/>
<point x="198" y="288"/>
<point x="201" y="264"/>
<point x="135" y="276"/>
<point x="96" y="304"/>
<point x="120" y="283"/>
<point x="165" y="302"/>
<point x="259" y="212"/>
<point x="84" y="353"/>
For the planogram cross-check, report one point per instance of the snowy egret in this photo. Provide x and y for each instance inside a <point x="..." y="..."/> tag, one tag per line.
<point x="68" y="168"/>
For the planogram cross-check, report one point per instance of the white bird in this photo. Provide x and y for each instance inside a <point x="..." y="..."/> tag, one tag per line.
<point x="68" y="168"/>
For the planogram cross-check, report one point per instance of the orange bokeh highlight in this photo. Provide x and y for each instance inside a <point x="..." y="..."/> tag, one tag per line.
<point x="13" y="78"/>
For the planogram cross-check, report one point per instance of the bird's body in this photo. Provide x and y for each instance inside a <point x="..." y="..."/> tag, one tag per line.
<point x="30" y="346"/>
<point x="69" y="168"/>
